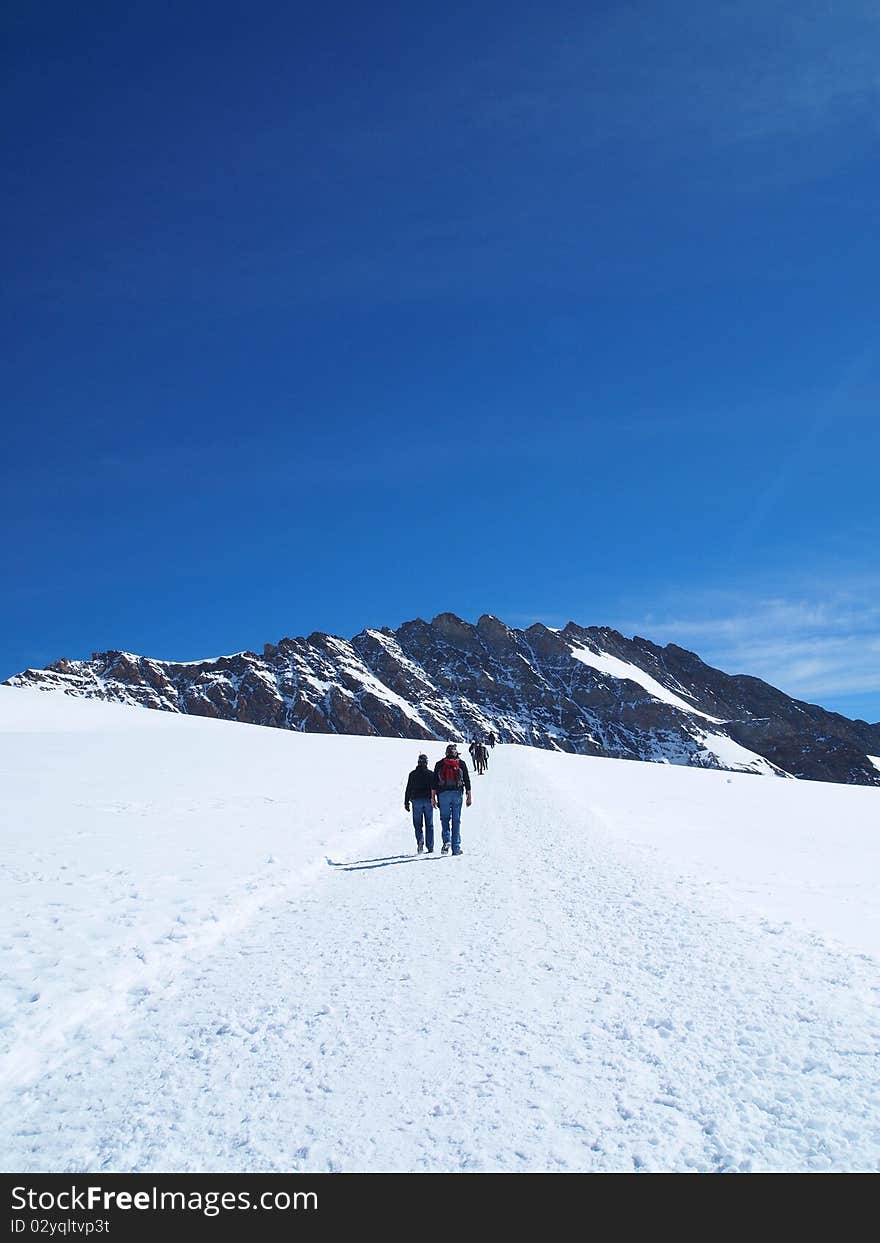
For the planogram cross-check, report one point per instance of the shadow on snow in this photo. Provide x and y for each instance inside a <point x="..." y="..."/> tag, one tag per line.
<point x="366" y="865"/>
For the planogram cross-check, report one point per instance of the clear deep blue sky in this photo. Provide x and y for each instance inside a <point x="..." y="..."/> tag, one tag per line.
<point x="330" y="316"/>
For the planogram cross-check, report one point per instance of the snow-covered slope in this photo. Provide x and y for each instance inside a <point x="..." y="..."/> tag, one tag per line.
<point x="589" y="691"/>
<point x="221" y="953"/>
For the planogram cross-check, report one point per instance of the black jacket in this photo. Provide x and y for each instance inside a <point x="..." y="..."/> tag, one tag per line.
<point x="465" y="775"/>
<point x="422" y="783"/>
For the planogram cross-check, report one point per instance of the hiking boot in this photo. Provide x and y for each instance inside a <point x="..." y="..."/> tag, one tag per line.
<point x="457" y="852"/>
<point x="444" y="850"/>
<point x="420" y="848"/>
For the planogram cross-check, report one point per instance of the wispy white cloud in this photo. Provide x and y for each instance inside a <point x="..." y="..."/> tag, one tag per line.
<point x="820" y="646"/>
<point x="813" y="647"/>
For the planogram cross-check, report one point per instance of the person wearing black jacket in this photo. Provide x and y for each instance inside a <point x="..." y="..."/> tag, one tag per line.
<point x="420" y="792"/>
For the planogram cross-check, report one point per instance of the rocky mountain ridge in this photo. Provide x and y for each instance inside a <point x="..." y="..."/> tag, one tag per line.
<point x="587" y="690"/>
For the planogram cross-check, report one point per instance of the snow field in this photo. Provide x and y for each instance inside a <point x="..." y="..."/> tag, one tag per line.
<point x="630" y="967"/>
<point x="133" y="839"/>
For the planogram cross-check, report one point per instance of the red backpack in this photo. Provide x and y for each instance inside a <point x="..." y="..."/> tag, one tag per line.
<point x="450" y="777"/>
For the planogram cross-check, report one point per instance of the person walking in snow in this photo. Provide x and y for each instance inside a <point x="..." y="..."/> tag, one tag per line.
<point x="420" y="790"/>
<point x="452" y="782"/>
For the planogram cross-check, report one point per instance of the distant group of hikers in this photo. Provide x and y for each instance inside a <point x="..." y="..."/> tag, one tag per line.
<point x="480" y="753"/>
<point x="445" y="787"/>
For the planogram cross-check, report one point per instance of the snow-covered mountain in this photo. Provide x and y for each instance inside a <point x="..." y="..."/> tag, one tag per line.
<point x="222" y="953"/>
<point x="589" y="690"/>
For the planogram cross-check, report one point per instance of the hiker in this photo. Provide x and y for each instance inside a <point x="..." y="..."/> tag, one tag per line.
<point x="419" y="792"/>
<point x="452" y="780"/>
<point x="473" y="750"/>
<point x="484" y="756"/>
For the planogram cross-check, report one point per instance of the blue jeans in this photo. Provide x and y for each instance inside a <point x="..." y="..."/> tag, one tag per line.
<point x="450" y="813"/>
<point x="422" y="809"/>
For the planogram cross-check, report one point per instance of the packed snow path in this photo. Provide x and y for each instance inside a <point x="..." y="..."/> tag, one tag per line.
<point x="552" y="1000"/>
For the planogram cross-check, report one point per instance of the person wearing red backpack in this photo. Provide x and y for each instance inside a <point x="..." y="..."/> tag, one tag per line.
<point x="453" y="780"/>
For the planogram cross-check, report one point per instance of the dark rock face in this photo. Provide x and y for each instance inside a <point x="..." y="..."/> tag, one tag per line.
<point x="585" y="690"/>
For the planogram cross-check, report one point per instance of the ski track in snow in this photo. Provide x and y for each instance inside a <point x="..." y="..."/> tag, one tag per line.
<point x="550" y="1001"/>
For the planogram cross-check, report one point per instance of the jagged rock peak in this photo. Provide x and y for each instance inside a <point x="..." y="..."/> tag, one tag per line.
<point x="488" y="621"/>
<point x="587" y="690"/>
<point x="450" y="621"/>
<point x="454" y="630"/>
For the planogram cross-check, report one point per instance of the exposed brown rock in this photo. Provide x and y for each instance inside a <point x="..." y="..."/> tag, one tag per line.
<point x="450" y="679"/>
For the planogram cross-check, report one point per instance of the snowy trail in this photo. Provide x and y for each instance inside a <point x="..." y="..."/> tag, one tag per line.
<point x="550" y="1001"/>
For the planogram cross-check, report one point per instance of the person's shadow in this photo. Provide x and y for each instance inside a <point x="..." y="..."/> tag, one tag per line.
<point x="366" y="865"/>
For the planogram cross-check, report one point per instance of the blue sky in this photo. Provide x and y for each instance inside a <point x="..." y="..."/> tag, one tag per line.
<point x="320" y="317"/>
